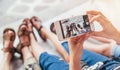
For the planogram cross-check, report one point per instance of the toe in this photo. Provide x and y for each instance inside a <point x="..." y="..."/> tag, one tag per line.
<point x="23" y="27"/>
<point x="11" y="33"/>
<point x="34" y="19"/>
<point x="30" y="27"/>
<point x="25" y="19"/>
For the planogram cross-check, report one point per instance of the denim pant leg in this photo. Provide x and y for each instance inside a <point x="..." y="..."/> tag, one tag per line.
<point x="52" y="62"/>
<point x="88" y="57"/>
<point x="116" y="52"/>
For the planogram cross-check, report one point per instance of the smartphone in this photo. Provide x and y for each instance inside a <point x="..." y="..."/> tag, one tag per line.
<point x="74" y="26"/>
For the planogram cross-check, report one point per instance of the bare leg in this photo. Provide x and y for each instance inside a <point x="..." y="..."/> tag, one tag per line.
<point x="49" y="35"/>
<point x="37" y="50"/>
<point x="101" y="49"/>
<point x="26" y="53"/>
<point x="57" y="44"/>
<point x="6" y="62"/>
<point x="104" y="49"/>
<point x="29" y="61"/>
<point x="7" y="55"/>
<point x="35" y="47"/>
<point x="104" y="40"/>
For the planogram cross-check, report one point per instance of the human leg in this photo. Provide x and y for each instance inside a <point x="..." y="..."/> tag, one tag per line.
<point x="8" y="40"/>
<point x="87" y="55"/>
<point x="46" y="61"/>
<point x="23" y="47"/>
<point x="116" y="53"/>
<point x="29" y="60"/>
<point x="104" y="49"/>
<point x="92" y="58"/>
<point x="52" y="37"/>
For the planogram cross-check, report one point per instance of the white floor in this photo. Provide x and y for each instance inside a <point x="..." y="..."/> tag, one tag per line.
<point x="53" y="12"/>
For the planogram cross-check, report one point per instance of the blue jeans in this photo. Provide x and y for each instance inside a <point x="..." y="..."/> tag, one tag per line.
<point x="91" y="57"/>
<point x="116" y="52"/>
<point x="87" y="55"/>
<point x="52" y="62"/>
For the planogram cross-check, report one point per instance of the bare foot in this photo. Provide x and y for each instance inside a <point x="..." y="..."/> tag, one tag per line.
<point x="24" y="39"/>
<point x="29" y="24"/>
<point x="42" y="30"/>
<point x="52" y="28"/>
<point x="23" y="34"/>
<point x="8" y="40"/>
<point x="36" y="22"/>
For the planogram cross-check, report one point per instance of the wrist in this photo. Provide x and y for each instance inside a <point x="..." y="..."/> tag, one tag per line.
<point x="76" y="53"/>
<point x="75" y="63"/>
<point x="74" y="57"/>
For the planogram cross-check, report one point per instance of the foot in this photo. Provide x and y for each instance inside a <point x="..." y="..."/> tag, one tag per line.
<point x="29" y="24"/>
<point x="36" y="22"/>
<point x="23" y="34"/>
<point x="24" y="39"/>
<point x="8" y="40"/>
<point x="52" y="28"/>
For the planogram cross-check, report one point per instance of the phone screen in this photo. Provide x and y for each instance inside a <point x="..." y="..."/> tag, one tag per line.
<point x="73" y="26"/>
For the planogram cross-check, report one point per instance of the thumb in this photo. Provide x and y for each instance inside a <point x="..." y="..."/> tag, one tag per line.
<point x="94" y="33"/>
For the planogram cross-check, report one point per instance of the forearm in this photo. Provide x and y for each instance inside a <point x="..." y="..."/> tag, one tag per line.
<point x="75" y="63"/>
<point x="76" y="49"/>
<point x="75" y="58"/>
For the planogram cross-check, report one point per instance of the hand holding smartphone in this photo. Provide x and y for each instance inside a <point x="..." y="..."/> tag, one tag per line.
<point x="67" y="28"/>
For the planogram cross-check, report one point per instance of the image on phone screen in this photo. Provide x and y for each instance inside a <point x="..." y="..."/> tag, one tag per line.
<point x="73" y="26"/>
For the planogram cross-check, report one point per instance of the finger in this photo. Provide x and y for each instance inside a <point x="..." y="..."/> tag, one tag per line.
<point x="71" y="39"/>
<point x="88" y="35"/>
<point x="75" y="39"/>
<point x="94" y="18"/>
<point x="37" y="19"/>
<point x="101" y="39"/>
<point x="90" y="16"/>
<point x="101" y="34"/>
<point x="82" y="38"/>
<point x="24" y="21"/>
<point x="33" y="18"/>
<point x="93" y="12"/>
<point x="99" y="18"/>
<point x="28" y="21"/>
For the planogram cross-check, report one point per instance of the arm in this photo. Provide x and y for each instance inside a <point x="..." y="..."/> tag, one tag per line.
<point x="109" y="31"/>
<point x="58" y="46"/>
<point x="75" y="62"/>
<point x="76" y="47"/>
<point x="103" y="40"/>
